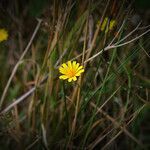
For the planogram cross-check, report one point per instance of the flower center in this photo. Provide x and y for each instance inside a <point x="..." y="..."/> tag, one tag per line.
<point x="71" y="73"/>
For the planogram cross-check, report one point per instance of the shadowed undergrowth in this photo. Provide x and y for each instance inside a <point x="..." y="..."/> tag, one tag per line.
<point x="106" y="108"/>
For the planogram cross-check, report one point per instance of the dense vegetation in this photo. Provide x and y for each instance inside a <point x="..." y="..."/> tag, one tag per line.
<point x="107" y="107"/>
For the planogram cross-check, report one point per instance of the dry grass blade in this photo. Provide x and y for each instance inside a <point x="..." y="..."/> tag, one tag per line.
<point x="115" y="46"/>
<point x="120" y="132"/>
<point x="21" y="98"/>
<point x="118" y="125"/>
<point x="19" y="61"/>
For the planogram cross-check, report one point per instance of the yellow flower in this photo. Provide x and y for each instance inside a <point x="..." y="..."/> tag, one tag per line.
<point x="70" y="71"/>
<point x="112" y="24"/>
<point x="3" y="35"/>
<point x="104" y="24"/>
<point x="108" y="27"/>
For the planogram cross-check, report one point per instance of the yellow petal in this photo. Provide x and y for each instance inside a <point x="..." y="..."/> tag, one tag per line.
<point x="64" y="65"/>
<point x="81" y="67"/>
<point x="63" y="77"/>
<point x="74" y="64"/>
<point x="74" y="78"/>
<point x="69" y="65"/>
<point x="62" y="70"/>
<point x="79" y="72"/>
<point x="70" y="79"/>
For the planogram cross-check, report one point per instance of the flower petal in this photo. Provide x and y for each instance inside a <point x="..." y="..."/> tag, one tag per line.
<point x="79" y="72"/>
<point x="70" y="79"/>
<point x="74" y="64"/>
<point x="62" y="70"/>
<point x="64" y="65"/>
<point x="63" y="77"/>
<point x="74" y="78"/>
<point x="81" y="67"/>
<point x="69" y="65"/>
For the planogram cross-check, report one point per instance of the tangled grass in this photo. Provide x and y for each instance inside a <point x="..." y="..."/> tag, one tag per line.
<point x="106" y="108"/>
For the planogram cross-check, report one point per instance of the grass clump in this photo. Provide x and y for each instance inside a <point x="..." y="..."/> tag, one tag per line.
<point x="106" y="107"/>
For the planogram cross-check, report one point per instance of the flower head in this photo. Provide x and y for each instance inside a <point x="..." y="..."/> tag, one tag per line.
<point x="70" y="71"/>
<point x="3" y="35"/>
<point x="107" y="25"/>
